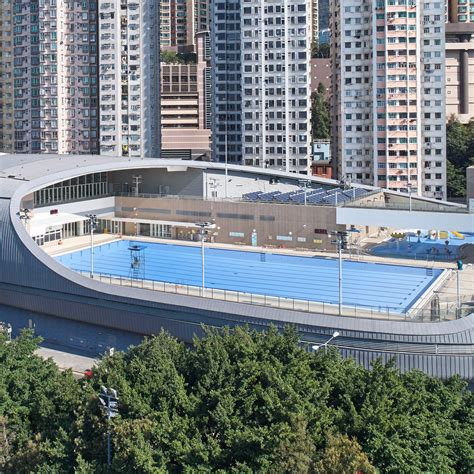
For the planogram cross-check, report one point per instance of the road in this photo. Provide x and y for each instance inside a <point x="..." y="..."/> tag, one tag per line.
<point x="67" y="360"/>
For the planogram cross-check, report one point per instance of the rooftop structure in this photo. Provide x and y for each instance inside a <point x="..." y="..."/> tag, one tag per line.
<point x="64" y="187"/>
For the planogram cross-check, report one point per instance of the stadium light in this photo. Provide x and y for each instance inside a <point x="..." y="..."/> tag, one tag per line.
<point x="92" y="225"/>
<point x="341" y="241"/>
<point x="304" y="183"/>
<point x="24" y="215"/>
<point x="202" y="232"/>
<point x="316" y="347"/>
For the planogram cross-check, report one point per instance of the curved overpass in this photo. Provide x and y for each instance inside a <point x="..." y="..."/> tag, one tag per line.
<point x="32" y="280"/>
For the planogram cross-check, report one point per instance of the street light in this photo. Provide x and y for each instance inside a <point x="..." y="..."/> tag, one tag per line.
<point x="92" y="225"/>
<point x="109" y="400"/>
<point x="202" y="232"/>
<point x="316" y="347"/>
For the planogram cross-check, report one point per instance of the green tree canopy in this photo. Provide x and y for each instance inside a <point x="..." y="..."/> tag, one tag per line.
<point x="320" y="114"/>
<point x="237" y="401"/>
<point x="460" y="154"/>
<point x="170" y="57"/>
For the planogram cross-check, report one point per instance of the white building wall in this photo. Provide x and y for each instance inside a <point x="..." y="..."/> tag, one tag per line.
<point x="129" y="75"/>
<point x="276" y="44"/>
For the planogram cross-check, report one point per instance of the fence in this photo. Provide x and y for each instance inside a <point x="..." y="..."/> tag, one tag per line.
<point x="442" y="311"/>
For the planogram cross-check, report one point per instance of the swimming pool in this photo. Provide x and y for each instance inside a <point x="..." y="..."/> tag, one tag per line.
<point x="308" y="278"/>
<point x="424" y="248"/>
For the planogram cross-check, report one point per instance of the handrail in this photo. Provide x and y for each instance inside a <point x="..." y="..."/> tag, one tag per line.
<point x="368" y="312"/>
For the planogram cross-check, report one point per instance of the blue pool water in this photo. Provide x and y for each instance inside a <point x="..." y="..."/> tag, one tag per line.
<point x="424" y="248"/>
<point x="308" y="278"/>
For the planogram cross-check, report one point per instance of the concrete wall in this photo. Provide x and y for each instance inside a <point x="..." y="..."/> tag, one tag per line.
<point x="207" y="183"/>
<point x="275" y="224"/>
<point x="405" y="219"/>
<point x="470" y="183"/>
<point x="186" y="182"/>
<point x="239" y="183"/>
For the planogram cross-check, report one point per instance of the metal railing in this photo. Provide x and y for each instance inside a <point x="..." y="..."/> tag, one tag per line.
<point x="416" y="206"/>
<point x="444" y="311"/>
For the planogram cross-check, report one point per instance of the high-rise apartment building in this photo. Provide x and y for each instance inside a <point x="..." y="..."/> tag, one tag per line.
<point x="314" y="12"/>
<point x="129" y="68"/>
<point x="324" y="30"/>
<point x="54" y="57"/>
<point x="177" y="23"/>
<point x="388" y="97"/>
<point x="460" y="59"/>
<point x="202" y="15"/>
<point x="6" y="77"/>
<point x="186" y="130"/>
<point x="261" y="65"/>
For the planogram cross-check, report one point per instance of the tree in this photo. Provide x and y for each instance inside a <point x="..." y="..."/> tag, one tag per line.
<point x="320" y="114"/>
<point x="239" y="400"/>
<point x="457" y="142"/>
<point x="343" y="456"/>
<point x="170" y="57"/>
<point x="320" y="50"/>
<point x="37" y="407"/>
<point x="460" y="154"/>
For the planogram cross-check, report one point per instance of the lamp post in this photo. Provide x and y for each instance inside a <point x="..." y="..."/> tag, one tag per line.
<point x="202" y="232"/>
<point x="92" y="225"/>
<point x="109" y="400"/>
<point x="316" y="347"/>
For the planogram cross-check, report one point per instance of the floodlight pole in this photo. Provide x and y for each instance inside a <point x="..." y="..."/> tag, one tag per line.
<point x="202" y="226"/>
<point x="339" y="240"/>
<point x="24" y="215"/>
<point x="340" y="244"/>
<point x="458" y="289"/>
<point x="92" y="223"/>
<point x="304" y="183"/>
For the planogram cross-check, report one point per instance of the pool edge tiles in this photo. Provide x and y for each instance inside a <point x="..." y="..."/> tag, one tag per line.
<point x="395" y="287"/>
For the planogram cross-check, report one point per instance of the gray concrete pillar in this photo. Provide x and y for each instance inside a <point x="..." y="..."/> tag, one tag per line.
<point x="464" y="81"/>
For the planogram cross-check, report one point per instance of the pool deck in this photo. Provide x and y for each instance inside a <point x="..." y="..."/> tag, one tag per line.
<point x="446" y="291"/>
<point x="78" y="243"/>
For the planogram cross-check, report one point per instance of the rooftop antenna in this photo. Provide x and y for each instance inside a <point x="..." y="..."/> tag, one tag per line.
<point x="137" y="180"/>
